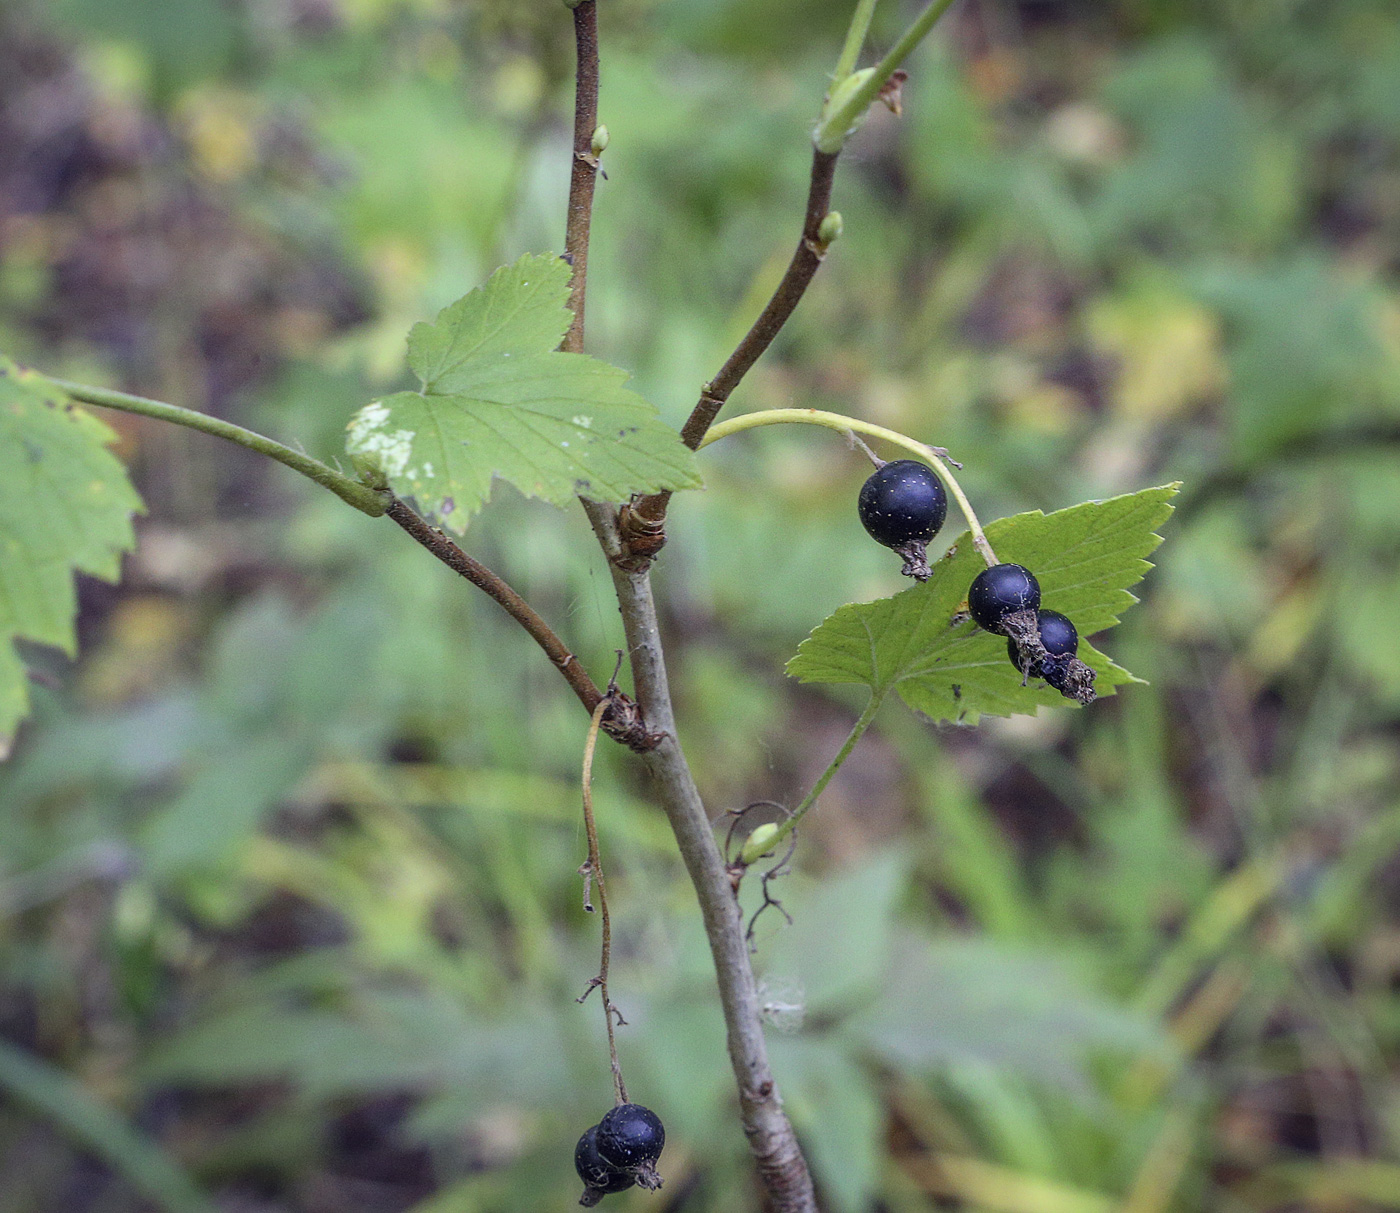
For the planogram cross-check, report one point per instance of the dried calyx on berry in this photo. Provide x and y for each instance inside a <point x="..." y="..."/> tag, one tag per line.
<point x="1059" y="637"/>
<point x="619" y="1151"/>
<point x="902" y="506"/>
<point x="1057" y="662"/>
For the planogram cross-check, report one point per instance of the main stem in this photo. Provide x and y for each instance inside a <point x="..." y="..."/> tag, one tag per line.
<point x="781" y="1167"/>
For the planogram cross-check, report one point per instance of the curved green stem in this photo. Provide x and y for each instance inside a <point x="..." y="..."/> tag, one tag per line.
<point x="834" y="128"/>
<point x="370" y="501"/>
<point x="857" y="731"/>
<point x="848" y="425"/>
<point x="855" y="39"/>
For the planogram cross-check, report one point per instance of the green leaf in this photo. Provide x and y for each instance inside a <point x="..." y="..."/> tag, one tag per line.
<point x="1084" y="557"/>
<point x="498" y="399"/>
<point x="969" y="1002"/>
<point x="65" y="507"/>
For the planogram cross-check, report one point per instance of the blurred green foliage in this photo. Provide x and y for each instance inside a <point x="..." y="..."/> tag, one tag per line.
<point x="288" y="865"/>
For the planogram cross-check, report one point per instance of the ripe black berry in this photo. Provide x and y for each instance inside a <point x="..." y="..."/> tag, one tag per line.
<point x="1000" y="591"/>
<point x="599" y="1177"/>
<point x="1057" y="634"/>
<point x="903" y="501"/>
<point x="630" y="1136"/>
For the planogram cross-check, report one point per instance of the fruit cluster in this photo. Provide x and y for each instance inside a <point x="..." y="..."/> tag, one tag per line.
<point x="619" y="1151"/>
<point x="1041" y="644"/>
<point x="903" y="505"/>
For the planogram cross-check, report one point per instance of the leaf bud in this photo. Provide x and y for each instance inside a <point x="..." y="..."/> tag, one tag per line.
<point x="830" y="230"/>
<point x="371" y="470"/>
<point x="833" y="129"/>
<point x="763" y="841"/>
<point x="600" y="140"/>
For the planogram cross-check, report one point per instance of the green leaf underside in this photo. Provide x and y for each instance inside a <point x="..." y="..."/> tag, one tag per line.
<point x="65" y="507"/>
<point x="1084" y="557"/>
<point x="498" y="399"/>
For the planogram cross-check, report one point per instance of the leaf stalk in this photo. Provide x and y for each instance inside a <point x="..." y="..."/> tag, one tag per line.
<point x="834" y="127"/>
<point x="367" y="500"/>
<point x="857" y="732"/>
<point x="855" y="40"/>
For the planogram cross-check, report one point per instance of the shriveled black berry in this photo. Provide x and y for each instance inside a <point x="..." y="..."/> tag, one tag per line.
<point x="1057" y="634"/>
<point x="1000" y="591"/>
<point x="598" y="1175"/>
<point x="630" y="1136"/>
<point x="903" y="501"/>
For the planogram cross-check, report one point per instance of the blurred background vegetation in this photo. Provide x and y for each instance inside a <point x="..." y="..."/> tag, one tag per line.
<point x="288" y="902"/>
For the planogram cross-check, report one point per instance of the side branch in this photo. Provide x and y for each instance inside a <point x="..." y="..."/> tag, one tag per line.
<point x="620" y="720"/>
<point x="800" y="271"/>
<point x="642" y="522"/>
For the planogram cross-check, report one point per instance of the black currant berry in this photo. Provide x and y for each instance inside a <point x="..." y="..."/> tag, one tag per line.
<point x="630" y="1136"/>
<point x="903" y="501"/>
<point x="1057" y="634"/>
<point x="1002" y="590"/>
<point x="599" y="1178"/>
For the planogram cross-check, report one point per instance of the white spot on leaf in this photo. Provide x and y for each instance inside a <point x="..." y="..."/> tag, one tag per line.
<point x="369" y="437"/>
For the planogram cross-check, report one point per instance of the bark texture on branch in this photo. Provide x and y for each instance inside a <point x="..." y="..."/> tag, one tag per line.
<point x="782" y="1169"/>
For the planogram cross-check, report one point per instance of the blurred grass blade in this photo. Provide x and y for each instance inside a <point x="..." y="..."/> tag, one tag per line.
<point x="1000" y="1189"/>
<point x="1337" y="1184"/>
<point x="1210" y="931"/>
<point x="1161" y="1172"/>
<point x="49" y="1091"/>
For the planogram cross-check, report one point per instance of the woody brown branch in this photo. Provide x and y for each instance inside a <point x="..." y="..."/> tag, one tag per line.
<point x="642" y="523"/>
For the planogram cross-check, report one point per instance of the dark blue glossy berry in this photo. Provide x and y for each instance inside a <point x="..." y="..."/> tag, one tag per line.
<point x="1000" y="591"/>
<point x="902" y="502"/>
<point x="1057" y="634"/>
<point x="595" y="1171"/>
<point x="630" y="1135"/>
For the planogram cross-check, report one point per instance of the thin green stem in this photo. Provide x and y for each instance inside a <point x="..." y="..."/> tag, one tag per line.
<point x="855" y="39"/>
<point x="853" y="425"/>
<point x="841" y="120"/>
<point x="857" y="731"/>
<point x="371" y="501"/>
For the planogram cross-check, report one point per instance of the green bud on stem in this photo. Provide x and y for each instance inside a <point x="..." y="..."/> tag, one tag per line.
<point x="834" y="128"/>
<point x="370" y="469"/>
<point x="759" y="843"/>
<point x="830" y="229"/>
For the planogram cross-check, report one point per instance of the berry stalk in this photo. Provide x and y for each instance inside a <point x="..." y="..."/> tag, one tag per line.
<point x="935" y="457"/>
<point x="592" y="872"/>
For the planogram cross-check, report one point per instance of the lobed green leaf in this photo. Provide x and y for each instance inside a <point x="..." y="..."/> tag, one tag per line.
<point x="498" y="399"/>
<point x="65" y="507"/>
